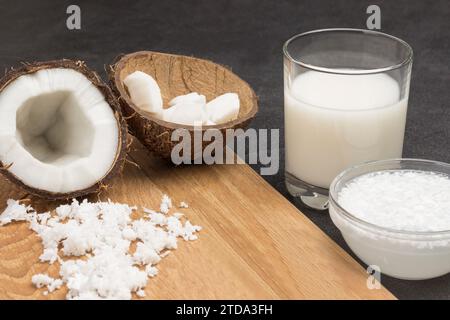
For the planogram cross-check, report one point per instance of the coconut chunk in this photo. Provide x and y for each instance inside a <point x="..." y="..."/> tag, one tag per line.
<point x="192" y="97"/>
<point x="224" y="108"/>
<point x="144" y="92"/>
<point x="187" y="113"/>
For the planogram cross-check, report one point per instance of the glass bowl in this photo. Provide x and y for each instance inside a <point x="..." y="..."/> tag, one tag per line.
<point x="400" y="254"/>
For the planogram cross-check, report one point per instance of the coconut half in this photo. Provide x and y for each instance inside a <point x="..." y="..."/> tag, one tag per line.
<point x="62" y="134"/>
<point x="177" y="75"/>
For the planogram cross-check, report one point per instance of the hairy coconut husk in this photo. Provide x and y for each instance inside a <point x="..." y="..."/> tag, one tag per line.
<point x="177" y="75"/>
<point x="29" y="68"/>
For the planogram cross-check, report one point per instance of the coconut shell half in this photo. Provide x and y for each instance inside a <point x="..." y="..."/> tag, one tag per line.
<point x="120" y="126"/>
<point x="177" y="75"/>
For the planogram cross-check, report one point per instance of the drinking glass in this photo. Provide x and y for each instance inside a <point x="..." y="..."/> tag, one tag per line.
<point x="345" y="102"/>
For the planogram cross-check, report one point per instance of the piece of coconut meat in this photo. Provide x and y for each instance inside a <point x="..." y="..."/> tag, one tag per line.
<point x="186" y="113"/>
<point x="144" y="92"/>
<point x="192" y="97"/>
<point x="57" y="131"/>
<point x="224" y="108"/>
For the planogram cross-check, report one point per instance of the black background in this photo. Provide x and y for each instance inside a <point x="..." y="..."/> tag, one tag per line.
<point x="247" y="35"/>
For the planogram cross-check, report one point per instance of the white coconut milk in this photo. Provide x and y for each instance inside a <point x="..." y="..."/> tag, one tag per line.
<point x="334" y="121"/>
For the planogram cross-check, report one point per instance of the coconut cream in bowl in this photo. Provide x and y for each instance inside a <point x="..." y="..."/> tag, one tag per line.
<point x="395" y="214"/>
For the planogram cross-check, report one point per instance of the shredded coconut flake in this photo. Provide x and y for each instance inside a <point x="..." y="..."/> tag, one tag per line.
<point x="140" y="293"/>
<point x="166" y="204"/>
<point x="102" y="233"/>
<point x="43" y="280"/>
<point x="151" y="271"/>
<point x="405" y="200"/>
<point x="49" y="255"/>
<point x="15" y="212"/>
<point x="183" y="205"/>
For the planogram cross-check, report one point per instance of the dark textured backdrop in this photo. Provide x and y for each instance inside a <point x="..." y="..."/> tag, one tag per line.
<point x="247" y="36"/>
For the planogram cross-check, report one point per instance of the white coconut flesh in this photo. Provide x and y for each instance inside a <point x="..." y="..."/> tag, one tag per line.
<point x="57" y="131"/>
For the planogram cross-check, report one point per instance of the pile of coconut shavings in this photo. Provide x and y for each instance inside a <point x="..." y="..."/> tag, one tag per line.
<point x="406" y="200"/>
<point x="102" y="233"/>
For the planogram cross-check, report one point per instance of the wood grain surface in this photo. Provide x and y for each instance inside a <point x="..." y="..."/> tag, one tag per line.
<point x="254" y="243"/>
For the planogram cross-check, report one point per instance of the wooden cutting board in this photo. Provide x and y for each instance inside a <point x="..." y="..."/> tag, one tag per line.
<point x="254" y="244"/>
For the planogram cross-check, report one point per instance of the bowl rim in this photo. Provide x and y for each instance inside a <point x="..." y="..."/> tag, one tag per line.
<point x="333" y="196"/>
<point x="118" y="64"/>
<point x="407" y="60"/>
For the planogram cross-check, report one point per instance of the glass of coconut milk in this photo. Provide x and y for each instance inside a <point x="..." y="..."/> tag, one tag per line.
<point x="345" y="102"/>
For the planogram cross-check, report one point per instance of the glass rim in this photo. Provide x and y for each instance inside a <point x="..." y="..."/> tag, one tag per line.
<point x="333" y="198"/>
<point x="407" y="60"/>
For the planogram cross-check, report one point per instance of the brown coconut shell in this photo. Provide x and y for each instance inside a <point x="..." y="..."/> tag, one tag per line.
<point x="177" y="75"/>
<point x="80" y="66"/>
